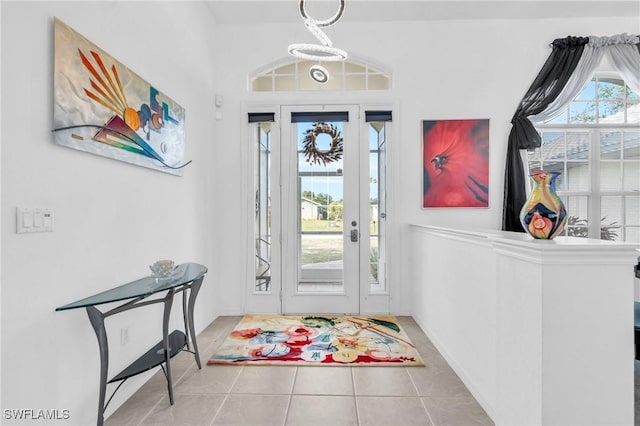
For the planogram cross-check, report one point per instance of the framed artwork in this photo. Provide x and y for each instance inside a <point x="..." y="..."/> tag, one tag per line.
<point x="455" y="163"/>
<point x="102" y="107"/>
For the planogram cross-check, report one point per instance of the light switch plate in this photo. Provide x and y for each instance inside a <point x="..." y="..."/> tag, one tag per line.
<point x="30" y="220"/>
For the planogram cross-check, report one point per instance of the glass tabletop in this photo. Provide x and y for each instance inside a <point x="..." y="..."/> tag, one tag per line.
<point x="146" y="286"/>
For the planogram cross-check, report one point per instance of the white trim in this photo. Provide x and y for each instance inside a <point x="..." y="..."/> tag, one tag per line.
<point x="271" y="68"/>
<point x="374" y="303"/>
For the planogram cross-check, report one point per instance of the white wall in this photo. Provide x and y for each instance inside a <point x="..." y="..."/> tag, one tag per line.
<point x="441" y="69"/>
<point x="111" y="219"/>
<point x="454" y="301"/>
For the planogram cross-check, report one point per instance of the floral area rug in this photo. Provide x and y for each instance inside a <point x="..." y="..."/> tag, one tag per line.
<point x="325" y="340"/>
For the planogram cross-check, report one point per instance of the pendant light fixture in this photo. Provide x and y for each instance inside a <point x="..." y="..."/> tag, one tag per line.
<point x="323" y="52"/>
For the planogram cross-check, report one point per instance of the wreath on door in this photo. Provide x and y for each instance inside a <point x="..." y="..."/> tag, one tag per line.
<point x="317" y="156"/>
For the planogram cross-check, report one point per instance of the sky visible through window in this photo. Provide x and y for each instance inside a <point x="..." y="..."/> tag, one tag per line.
<point x="602" y="100"/>
<point x="331" y="185"/>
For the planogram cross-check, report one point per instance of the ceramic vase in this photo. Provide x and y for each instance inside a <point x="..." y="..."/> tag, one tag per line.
<point x="543" y="216"/>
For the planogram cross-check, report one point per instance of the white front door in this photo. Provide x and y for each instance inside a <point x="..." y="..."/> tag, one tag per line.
<point x="324" y="201"/>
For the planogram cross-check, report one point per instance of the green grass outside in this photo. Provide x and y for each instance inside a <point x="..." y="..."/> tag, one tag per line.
<point x="325" y="248"/>
<point x="330" y="226"/>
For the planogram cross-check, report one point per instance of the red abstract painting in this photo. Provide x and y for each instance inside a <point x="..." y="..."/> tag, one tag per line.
<point x="455" y="163"/>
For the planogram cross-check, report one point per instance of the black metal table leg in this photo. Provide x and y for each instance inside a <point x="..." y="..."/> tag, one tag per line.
<point x="195" y="288"/>
<point x="97" y="321"/>
<point x="168" y="302"/>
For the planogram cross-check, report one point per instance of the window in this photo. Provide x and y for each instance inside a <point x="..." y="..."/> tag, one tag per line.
<point x="262" y="188"/>
<point x="293" y="75"/>
<point x="595" y="144"/>
<point x="377" y="202"/>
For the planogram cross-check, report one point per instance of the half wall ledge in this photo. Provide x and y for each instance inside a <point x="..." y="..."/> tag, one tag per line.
<point x="540" y="331"/>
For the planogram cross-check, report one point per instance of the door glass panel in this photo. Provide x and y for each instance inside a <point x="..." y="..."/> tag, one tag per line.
<point x="320" y="213"/>
<point x="377" y="206"/>
<point x="262" y="219"/>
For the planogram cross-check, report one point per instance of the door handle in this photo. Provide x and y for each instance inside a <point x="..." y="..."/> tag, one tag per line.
<point x="354" y="235"/>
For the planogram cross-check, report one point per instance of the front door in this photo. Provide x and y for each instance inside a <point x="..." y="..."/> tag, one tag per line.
<point x="325" y="201"/>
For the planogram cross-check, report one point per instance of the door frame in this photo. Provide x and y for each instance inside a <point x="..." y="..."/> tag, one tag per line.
<point x="388" y="302"/>
<point x="348" y="300"/>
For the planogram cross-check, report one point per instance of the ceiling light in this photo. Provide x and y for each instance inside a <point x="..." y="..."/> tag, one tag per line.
<point x="324" y="52"/>
<point x="319" y="74"/>
<point x="330" y="21"/>
<point x="314" y="29"/>
<point x="316" y="52"/>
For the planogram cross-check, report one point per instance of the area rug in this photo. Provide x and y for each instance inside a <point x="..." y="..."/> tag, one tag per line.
<point x="322" y="340"/>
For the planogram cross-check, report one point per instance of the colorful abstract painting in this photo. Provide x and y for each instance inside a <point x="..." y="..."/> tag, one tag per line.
<point x="102" y="107"/>
<point x="455" y="163"/>
<point x="318" y="340"/>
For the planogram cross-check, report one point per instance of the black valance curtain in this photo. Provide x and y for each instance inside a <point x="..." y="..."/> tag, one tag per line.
<point x="545" y="89"/>
<point x="261" y="117"/>
<point x="371" y="116"/>
<point x="315" y="117"/>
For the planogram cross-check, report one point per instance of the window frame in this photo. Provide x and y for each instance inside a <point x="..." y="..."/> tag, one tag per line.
<point x="594" y="161"/>
<point x="291" y="75"/>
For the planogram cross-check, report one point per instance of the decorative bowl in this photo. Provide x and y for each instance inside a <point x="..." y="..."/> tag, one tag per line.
<point x="162" y="268"/>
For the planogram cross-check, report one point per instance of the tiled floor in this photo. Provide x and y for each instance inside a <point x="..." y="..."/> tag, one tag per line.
<point x="323" y="396"/>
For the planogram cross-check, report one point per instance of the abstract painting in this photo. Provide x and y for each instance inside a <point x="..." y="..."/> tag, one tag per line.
<point x="455" y="163"/>
<point x="102" y="107"/>
<point x="321" y="340"/>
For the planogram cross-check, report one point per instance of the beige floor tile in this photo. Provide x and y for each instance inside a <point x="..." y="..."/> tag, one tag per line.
<point x="196" y="410"/>
<point x="253" y="410"/>
<point x="185" y="358"/>
<point x="206" y="350"/>
<point x="437" y="380"/>
<point x="257" y="395"/>
<point x="219" y="328"/>
<point x="423" y="344"/>
<point x="409" y="325"/>
<point x="461" y="411"/>
<point x="418" y="338"/>
<point x="430" y="354"/>
<point x="323" y="381"/>
<point x="387" y="411"/>
<point x="134" y="410"/>
<point x="313" y="410"/>
<point x="158" y="383"/>
<point x="208" y="346"/>
<point x="211" y="379"/>
<point x="265" y="379"/>
<point x="383" y="381"/>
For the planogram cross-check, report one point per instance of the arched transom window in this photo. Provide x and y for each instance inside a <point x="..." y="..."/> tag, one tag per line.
<point x="293" y="75"/>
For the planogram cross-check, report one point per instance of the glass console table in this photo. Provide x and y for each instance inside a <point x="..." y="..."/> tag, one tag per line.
<point x="186" y="278"/>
